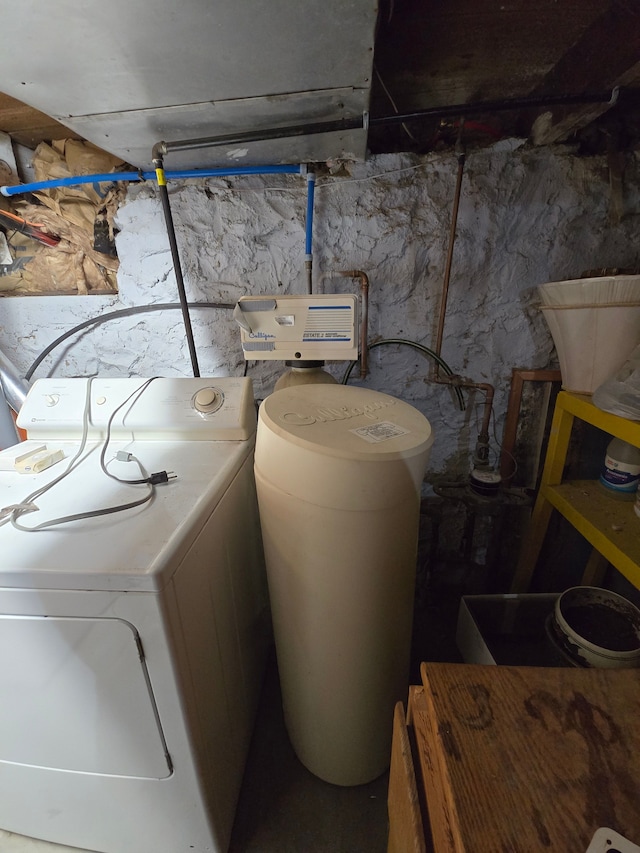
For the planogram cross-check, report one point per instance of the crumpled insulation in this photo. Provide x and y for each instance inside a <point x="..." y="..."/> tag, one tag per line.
<point x="73" y="266"/>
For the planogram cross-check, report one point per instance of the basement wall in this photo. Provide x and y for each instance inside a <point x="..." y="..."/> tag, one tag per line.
<point x="527" y="216"/>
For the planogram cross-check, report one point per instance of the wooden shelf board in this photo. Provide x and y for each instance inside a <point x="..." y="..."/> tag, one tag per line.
<point x="529" y="758"/>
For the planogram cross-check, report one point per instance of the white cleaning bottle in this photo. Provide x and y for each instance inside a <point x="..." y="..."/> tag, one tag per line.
<point x="620" y="474"/>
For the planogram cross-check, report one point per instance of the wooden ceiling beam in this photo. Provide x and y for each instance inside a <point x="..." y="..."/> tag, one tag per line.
<point x="607" y="56"/>
<point x="27" y="126"/>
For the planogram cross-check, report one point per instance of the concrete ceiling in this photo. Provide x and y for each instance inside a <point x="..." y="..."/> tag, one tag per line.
<point x="435" y="54"/>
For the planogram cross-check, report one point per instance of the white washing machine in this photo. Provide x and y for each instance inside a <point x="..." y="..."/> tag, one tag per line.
<point x="132" y="644"/>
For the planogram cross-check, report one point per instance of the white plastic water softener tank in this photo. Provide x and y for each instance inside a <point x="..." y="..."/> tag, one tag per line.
<point x="338" y="474"/>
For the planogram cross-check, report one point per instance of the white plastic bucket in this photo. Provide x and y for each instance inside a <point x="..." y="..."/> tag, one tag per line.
<point x="597" y="628"/>
<point x="592" y="341"/>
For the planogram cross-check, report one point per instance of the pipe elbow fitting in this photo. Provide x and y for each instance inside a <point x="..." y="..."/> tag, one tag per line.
<point x="158" y="152"/>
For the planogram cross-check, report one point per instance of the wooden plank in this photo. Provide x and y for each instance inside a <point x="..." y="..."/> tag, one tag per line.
<point x="406" y="834"/>
<point x="443" y="818"/>
<point x="28" y="126"/>
<point x="465" y="50"/>
<point x="534" y="758"/>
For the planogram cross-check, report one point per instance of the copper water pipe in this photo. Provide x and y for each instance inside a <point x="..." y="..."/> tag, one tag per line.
<point x="488" y="389"/>
<point x="447" y="269"/>
<point x="364" y="320"/>
<point x="489" y="392"/>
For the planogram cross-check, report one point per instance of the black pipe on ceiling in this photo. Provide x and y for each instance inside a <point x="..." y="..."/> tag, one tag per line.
<point x="498" y="106"/>
<point x="365" y="121"/>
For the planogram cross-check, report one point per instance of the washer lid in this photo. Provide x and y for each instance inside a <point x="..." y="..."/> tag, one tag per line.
<point x="348" y="422"/>
<point x="137" y="549"/>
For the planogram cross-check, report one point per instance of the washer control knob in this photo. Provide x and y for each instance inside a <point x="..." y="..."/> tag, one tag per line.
<point x="207" y="400"/>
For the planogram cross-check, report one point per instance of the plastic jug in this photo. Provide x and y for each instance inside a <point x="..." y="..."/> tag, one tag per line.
<point x="620" y="475"/>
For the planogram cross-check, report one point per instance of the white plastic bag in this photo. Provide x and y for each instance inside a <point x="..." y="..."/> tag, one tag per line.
<point x="620" y="394"/>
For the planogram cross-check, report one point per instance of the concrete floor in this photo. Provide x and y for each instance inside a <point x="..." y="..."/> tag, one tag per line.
<point x="284" y="808"/>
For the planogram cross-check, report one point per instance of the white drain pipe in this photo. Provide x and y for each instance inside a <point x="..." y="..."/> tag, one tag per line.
<point x="13" y="390"/>
<point x="8" y="432"/>
<point x="14" y="385"/>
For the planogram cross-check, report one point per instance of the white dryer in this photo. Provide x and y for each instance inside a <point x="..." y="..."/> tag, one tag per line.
<point x="133" y="643"/>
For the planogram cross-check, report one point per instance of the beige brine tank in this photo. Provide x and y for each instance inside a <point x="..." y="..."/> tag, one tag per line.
<point x="338" y="474"/>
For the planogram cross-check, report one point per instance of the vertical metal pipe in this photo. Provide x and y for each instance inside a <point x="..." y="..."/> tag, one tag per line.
<point x="8" y="431"/>
<point x="15" y="386"/>
<point x="482" y="447"/>
<point x="171" y="232"/>
<point x="364" y="320"/>
<point x="447" y="271"/>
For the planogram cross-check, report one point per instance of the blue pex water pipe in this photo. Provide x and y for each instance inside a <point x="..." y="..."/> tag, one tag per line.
<point x="162" y="177"/>
<point x="113" y="177"/>
<point x="311" y="186"/>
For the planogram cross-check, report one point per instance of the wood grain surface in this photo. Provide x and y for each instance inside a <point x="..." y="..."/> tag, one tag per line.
<point x="523" y="759"/>
<point x="406" y="832"/>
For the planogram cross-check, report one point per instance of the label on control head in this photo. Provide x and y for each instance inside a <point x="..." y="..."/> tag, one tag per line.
<point x="380" y="432"/>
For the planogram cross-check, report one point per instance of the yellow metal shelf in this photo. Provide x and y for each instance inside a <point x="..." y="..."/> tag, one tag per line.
<point x="580" y="406"/>
<point x="609" y="525"/>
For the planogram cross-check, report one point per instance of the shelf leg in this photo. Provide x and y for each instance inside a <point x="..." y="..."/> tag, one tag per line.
<point x="594" y="570"/>
<point x="531" y="545"/>
<point x="551" y="475"/>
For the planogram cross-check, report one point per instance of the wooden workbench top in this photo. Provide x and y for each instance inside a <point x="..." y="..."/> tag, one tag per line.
<point x="522" y="759"/>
